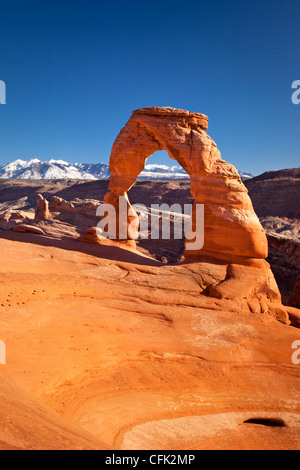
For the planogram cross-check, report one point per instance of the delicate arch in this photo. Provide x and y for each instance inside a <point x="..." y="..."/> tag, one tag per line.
<point x="231" y="225"/>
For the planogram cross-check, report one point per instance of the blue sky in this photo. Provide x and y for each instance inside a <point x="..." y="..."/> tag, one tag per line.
<point x="74" y="71"/>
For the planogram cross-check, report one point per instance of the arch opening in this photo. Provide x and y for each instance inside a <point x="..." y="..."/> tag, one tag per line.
<point x="162" y="182"/>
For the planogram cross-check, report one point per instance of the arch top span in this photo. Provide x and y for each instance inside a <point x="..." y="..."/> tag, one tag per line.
<point x="181" y="133"/>
<point x="196" y="118"/>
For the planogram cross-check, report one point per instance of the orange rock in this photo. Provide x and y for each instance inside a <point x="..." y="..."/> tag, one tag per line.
<point x="231" y="226"/>
<point x="29" y="229"/>
<point x="57" y="204"/>
<point x="110" y="349"/>
<point x="42" y="209"/>
<point x="94" y="236"/>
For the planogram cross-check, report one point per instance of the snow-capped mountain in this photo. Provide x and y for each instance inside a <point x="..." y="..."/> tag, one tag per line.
<point x="59" y="169"/>
<point x="52" y="169"/>
<point x="163" y="172"/>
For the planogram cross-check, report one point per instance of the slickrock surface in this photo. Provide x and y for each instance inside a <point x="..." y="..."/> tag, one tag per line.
<point x="26" y="424"/>
<point x="107" y="342"/>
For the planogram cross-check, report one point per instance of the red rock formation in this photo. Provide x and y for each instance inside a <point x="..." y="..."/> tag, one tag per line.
<point x="19" y="222"/>
<point x="24" y="228"/>
<point x="233" y="235"/>
<point x="9" y="219"/>
<point x="42" y="209"/>
<point x="57" y="204"/>
<point x="231" y="226"/>
<point x="87" y="207"/>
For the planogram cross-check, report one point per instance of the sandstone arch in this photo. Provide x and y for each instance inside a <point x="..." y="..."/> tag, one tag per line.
<point x="232" y="229"/>
<point x="234" y="237"/>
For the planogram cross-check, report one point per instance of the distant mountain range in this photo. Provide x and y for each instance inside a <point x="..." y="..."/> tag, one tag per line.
<point x="59" y="170"/>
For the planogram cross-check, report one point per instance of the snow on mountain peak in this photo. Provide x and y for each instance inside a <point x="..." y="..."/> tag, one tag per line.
<point x="59" y="169"/>
<point x="155" y="166"/>
<point x="17" y="163"/>
<point x="32" y="161"/>
<point x="58" y="162"/>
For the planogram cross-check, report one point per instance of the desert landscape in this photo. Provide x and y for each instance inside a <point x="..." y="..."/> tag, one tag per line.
<point x="138" y="345"/>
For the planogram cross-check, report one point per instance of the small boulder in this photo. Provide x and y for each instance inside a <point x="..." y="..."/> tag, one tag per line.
<point x="23" y="228"/>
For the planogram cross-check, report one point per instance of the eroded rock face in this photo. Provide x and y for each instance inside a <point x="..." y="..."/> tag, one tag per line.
<point x="233" y="234"/>
<point x="87" y="207"/>
<point x="9" y="219"/>
<point x="42" y="209"/>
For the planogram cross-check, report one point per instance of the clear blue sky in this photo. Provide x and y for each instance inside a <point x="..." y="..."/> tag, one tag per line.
<point x="75" y="70"/>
